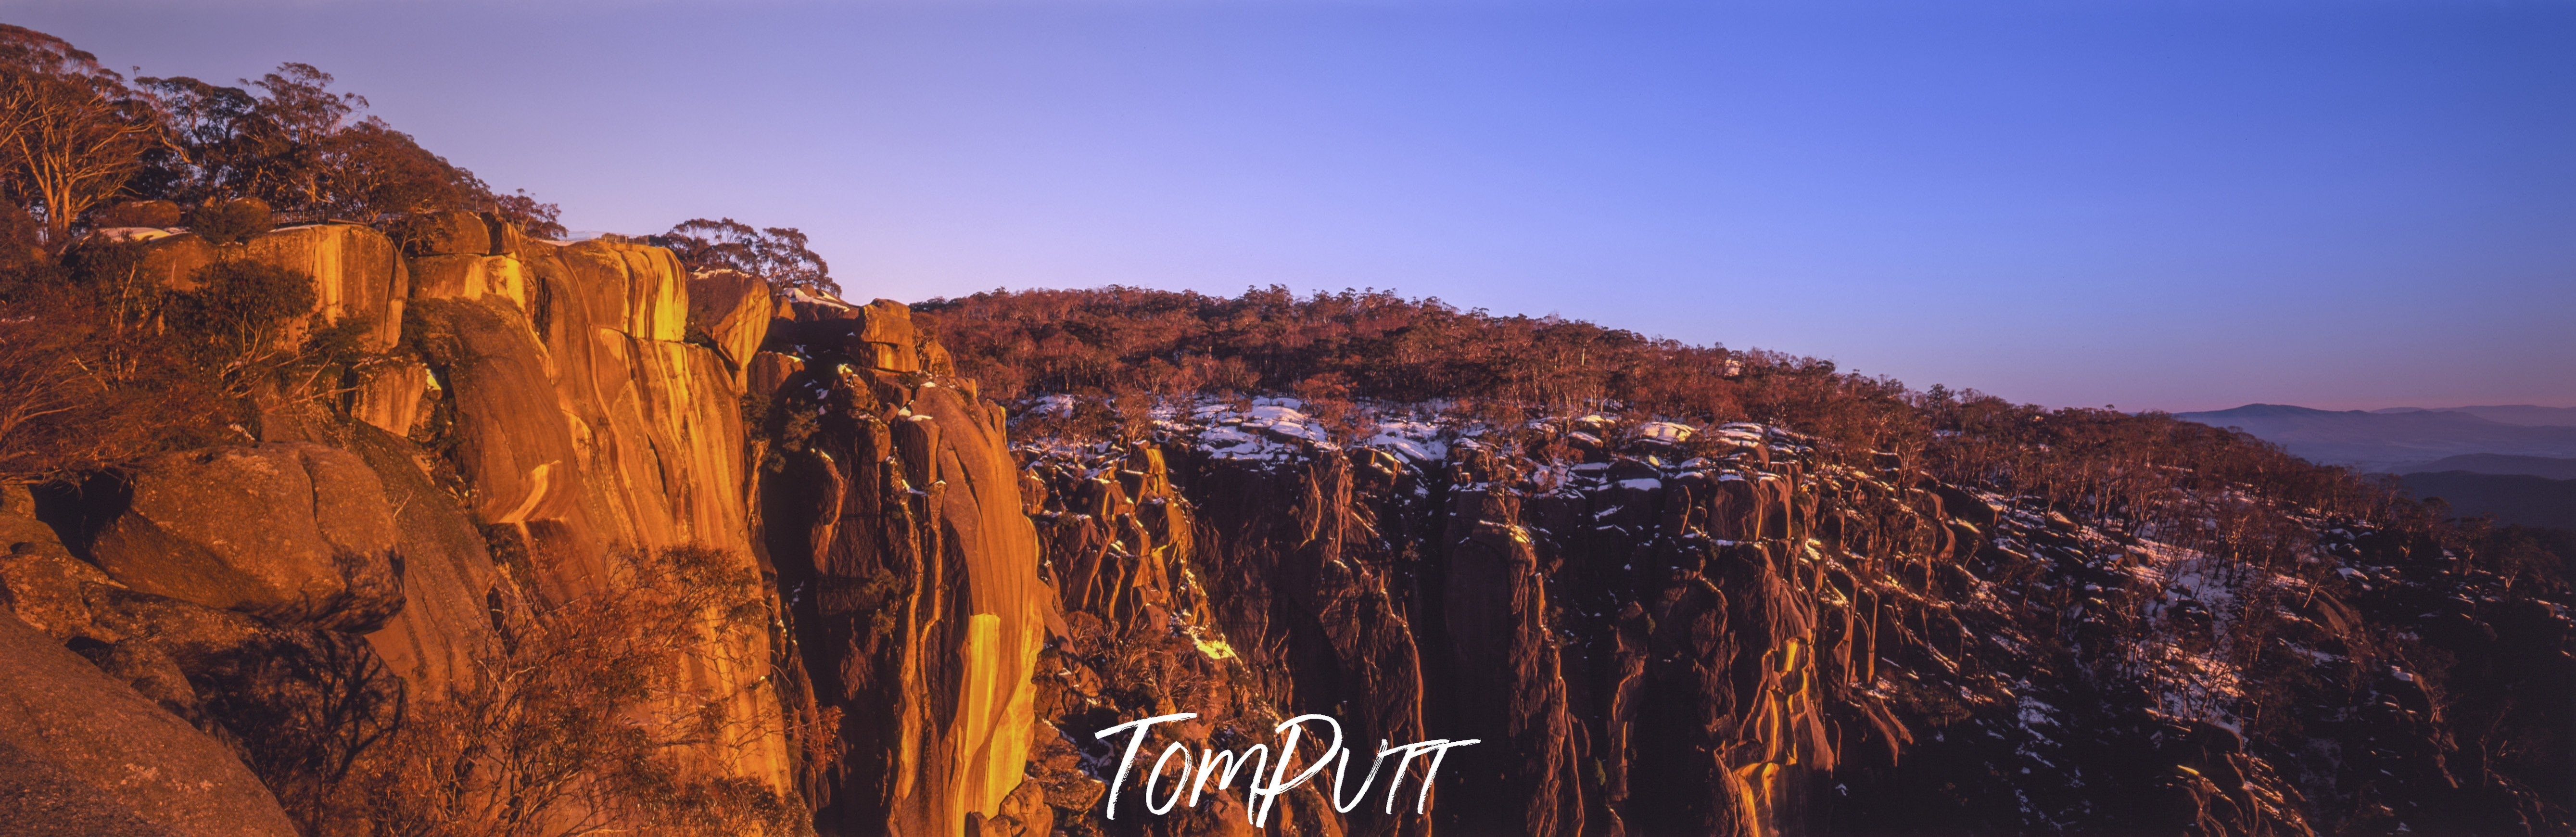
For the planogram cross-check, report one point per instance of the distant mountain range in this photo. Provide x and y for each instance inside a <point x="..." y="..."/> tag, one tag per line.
<point x="2401" y="441"/>
<point x="2498" y="463"/>
<point x="2524" y="414"/>
<point x="2517" y="462"/>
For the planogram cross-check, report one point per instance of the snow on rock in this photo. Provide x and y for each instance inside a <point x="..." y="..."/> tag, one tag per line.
<point x="1663" y="431"/>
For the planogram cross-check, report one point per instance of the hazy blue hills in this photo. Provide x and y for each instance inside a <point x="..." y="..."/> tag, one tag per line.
<point x="2499" y="463"/>
<point x="2506" y="413"/>
<point x="2392" y="441"/>
<point x="2516" y="462"/>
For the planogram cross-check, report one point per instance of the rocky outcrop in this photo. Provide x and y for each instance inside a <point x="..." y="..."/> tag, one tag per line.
<point x="294" y="533"/>
<point x="1663" y="640"/>
<point x="581" y="423"/>
<point x="894" y="518"/>
<point x="357" y="272"/>
<point x="1506" y="675"/>
<point x="284" y="699"/>
<point x="878" y="335"/>
<point x="1727" y="630"/>
<point x="82" y="755"/>
<point x="545" y="397"/>
<point x="730" y="311"/>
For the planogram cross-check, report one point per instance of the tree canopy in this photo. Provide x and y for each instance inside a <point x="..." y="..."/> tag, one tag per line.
<point x="777" y="255"/>
<point x="76" y="138"/>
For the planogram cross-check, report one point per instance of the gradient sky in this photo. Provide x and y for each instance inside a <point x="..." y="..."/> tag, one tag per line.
<point x="2171" y="205"/>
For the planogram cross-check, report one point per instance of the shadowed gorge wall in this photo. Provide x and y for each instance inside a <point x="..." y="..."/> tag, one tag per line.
<point x="893" y="514"/>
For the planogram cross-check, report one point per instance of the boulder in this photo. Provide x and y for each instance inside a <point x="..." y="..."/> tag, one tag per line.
<point x="731" y="310"/>
<point x="769" y="371"/>
<point x="40" y="580"/>
<point x="170" y="261"/>
<point x="293" y="532"/>
<point x="884" y="321"/>
<point x="83" y="755"/>
<point x="395" y="397"/>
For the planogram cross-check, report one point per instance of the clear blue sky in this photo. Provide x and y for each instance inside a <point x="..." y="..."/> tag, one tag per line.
<point x="2176" y="205"/>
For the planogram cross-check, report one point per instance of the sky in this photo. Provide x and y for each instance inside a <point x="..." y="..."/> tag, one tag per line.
<point x="2173" y="205"/>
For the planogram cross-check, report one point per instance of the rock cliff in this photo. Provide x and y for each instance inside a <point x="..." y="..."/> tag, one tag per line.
<point x="1666" y="629"/>
<point x="536" y="398"/>
<point x="892" y="510"/>
<point x="1647" y="626"/>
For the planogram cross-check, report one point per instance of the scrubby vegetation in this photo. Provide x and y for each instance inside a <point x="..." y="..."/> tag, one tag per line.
<point x="1131" y="346"/>
<point x="99" y="365"/>
<point x="1127" y="347"/>
<point x="581" y="719"/>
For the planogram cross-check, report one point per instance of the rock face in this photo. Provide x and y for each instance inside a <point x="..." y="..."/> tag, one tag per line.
<point x="895" y="521"/>
<point x="448" y="577"/>
<point x="730" y="311"/>
<point x="357" y="272"/>
<point x="545" y="397"/>
<point x="1719" y="632"/>
<point x="82" y="755"/>
<point x="1648" y="628"/>
<point x="295" y="533"/>
<point x="579" y="422"/>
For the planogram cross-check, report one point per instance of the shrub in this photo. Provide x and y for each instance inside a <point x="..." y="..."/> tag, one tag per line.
<point x="84" y="381"/>
<point x="230" y="222"/>
<point x="137" y="214"/>
<point x="239" y="312"/>
<point x="583" y="718"/>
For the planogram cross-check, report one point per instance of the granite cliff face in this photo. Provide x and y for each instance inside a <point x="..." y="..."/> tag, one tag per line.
<point x="1642" y="645"/>
<point x="540" y="413"/>
<point x="892" y="510"/>
<point x="536" y="412"/>
<point x="1649" y="627"/>
<point x="1663" y="629"/>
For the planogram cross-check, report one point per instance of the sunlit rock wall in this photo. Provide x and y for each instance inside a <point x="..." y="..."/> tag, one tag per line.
<point x="892" y="507"/>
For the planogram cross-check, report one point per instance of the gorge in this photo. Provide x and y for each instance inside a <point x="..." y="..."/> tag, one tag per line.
<point x="574" y="538"/>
